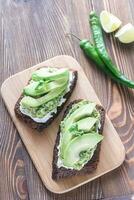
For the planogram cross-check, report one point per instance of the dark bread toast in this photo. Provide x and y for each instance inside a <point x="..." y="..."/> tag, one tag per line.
<point x="62" y="172"/>
<point x="40" y="126"/>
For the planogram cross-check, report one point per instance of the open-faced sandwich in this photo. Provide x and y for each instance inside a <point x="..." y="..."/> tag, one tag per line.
<point x="78" y="141"/>
<point x="45" y="95"/>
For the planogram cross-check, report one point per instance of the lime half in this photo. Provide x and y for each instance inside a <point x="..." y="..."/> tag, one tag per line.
<point x="126" y="33"/>
<point x="109" y="22"/>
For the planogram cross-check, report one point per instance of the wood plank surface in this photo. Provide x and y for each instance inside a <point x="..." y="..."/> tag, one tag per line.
<point x="40" y="146"/>
<point x="32" y="31"/>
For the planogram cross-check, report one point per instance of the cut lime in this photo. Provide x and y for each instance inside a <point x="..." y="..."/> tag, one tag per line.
<point x="126" y="33"/>
<point x="109" y="22"/>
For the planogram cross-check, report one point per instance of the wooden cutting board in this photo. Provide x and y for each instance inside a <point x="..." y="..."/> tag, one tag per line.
<point x="40" y="146"/>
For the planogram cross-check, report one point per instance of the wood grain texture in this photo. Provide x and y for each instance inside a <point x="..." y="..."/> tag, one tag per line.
<point x="40" y="146"/>
<point x="32" y="31"/>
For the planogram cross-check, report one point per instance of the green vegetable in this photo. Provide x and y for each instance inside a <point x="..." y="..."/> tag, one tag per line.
<point x="49" y="74"/>
<point x="45" y="91"/>
<point x="37" y="88"/>
<point x="102" y="52"/>
<point x="86" y="124"/>
<point x="78" y="145"/>
<point x="44" y="109"/>
<point x="79" y="135"/>
<point x="91" y="52"/>
<point x="83" y="111"/>
<point x="31" y="102"/>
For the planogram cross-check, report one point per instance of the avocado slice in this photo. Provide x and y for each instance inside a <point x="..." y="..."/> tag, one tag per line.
<point x="37" y="88"/>
<point x="49" y="74"/>
<point x="86" y="124"/>
<point x="78" y="145"/>
<point x="84" y="110"/>
<point x="30" y="102"/>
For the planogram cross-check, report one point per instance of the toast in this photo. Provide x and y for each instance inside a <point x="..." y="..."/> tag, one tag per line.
<point x="40" y="126"/>
<point x="91" y="165"/>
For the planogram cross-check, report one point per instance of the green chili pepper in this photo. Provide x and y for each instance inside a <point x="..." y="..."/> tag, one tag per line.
<point x="102" y="52"/>
<point x="91" y="52"/>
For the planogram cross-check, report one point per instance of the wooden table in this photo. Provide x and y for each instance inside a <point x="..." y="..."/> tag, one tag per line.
<point x="32" y="31"/>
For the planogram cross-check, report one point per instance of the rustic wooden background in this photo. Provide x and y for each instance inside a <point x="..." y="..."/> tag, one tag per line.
<point x="32" y="31"/>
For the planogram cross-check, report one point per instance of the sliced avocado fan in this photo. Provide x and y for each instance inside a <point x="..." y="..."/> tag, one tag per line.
<point x="37" y="88"/>
<point x="31" y="102"/>
<point x="82" y="112"/>
<point x="78" y="145"/>
<point x="46" y="85"/>
<point x="79" y="135"/>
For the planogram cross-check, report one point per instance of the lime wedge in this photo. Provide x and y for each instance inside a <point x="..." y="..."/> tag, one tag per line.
<point x="109" y="22"/>
<point x="126" y="33"/>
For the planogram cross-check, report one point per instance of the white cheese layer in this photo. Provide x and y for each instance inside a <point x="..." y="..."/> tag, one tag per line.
<point x="50" y="114"/>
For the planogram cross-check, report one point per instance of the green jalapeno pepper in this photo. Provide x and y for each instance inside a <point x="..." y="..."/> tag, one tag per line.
<point x="102" y="52"/>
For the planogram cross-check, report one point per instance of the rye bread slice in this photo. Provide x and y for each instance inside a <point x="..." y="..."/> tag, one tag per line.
<point x="40" y="126"/>
<point x="62" y="172"/>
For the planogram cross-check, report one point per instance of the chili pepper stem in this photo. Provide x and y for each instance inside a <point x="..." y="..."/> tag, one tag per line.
<point x="73" y="36"/>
